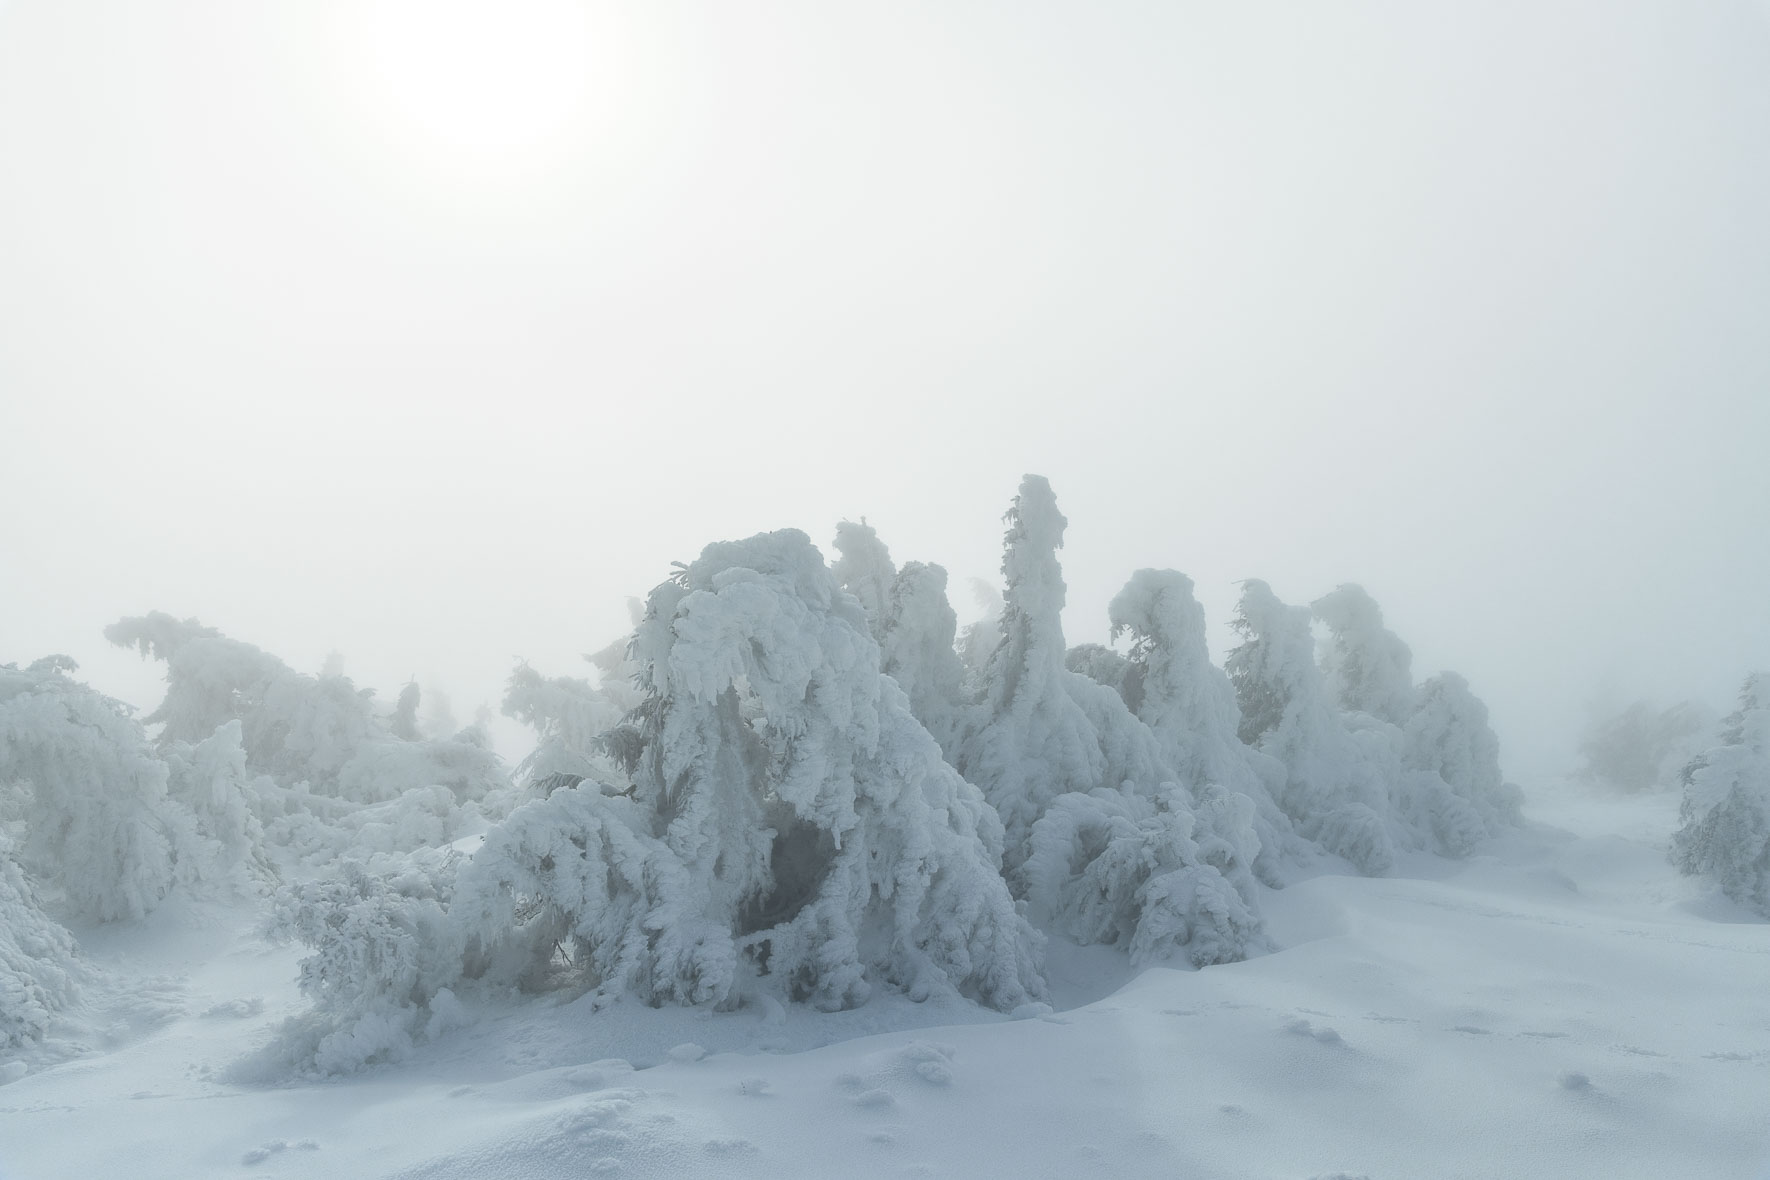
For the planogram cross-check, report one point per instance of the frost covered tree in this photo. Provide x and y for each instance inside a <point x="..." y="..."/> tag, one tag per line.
<point x="1172" y="686"/>
<point x="916" y="649"/>
<point x="1452" y="756"/>
<point x="1724" y="819"/>
<point x="97" y="819"/>
<point x="1043" y="733"/>
<point x="863" y="567"/>
<point x="1331" y="790"/>
<point x="1367" y="666"/>
<point x="569" y="716"/>
<point x="210" y="780"/>
<point x="40" y="969"/>
<point x="404" y="723"/>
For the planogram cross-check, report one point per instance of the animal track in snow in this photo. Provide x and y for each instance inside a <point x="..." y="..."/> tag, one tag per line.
<point x="259" y="1154"/>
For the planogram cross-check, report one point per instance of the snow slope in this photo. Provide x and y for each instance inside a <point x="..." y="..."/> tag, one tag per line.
<point x="1562" y="1004"/>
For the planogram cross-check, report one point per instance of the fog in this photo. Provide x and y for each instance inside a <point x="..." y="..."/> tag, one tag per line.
<point x="370" y="328"/>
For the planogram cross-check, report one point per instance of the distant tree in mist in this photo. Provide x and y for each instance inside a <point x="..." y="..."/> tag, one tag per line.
<point x="318" y="734"/>
<point x="864" y="569"/>
<point x="1724" y="831"/>
<point x="1643" y="746"/>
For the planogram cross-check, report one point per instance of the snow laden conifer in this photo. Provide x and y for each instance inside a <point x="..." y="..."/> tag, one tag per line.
<point x="1724" y="831"/>
<point x="1331" y="790"/>
<point x="916" y="649"/>
<point x="863" y="567"/>
<point x="97" y="819"/>
<point x="1367" y="667"/>
<point x="1452" y="756"/>
<point x="40" y="970"/>
<point x="785" y="809"/>
<point x="1102" y="838"/>
<point x="1172" y="686"/>
<point x="1432" y="745"/>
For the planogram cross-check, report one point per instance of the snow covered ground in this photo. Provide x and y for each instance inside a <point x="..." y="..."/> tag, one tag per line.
<point x="1562" y="1004"/>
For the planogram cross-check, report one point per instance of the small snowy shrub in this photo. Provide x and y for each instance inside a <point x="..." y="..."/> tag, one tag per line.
<point x="384" y="952"/>
<point x="1105" y="869"/>
<point x="1724" y="830"/>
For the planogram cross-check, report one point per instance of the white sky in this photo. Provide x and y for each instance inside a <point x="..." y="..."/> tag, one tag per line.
<point x="428" y="334"/>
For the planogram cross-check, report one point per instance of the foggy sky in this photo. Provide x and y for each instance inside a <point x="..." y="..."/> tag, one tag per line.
<point x="1468" y="303"/>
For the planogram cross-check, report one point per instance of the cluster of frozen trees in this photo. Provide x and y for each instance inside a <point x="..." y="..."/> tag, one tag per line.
<point x="255" y="771"/>
<point x="1724" y="831"/>
<point x="803" y="781"/>
<point x="794" y="780"/>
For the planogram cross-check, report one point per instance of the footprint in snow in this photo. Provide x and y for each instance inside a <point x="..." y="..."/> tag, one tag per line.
<point x="1472" y="1030"/>
<point x="1325" y="1036"/>
<point x="259" y="1154"/>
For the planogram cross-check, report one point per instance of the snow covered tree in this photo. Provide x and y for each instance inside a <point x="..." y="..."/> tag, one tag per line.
<point x="40" y="971"/>
<point x="1367" y="666"/>
<point x="1171" y="685"/>
<point x="784" y="774"/>
<point x="1043" y="733"/>
<point x="1331" y="791"/>
<point x="97" y="819"/>
<point x="1724" y="830"/>
<point x="405" y="713"/>
<point x="210" y="780"/>
<point x="916" y="649"/>
<point x="863" y="567"/>
<point x="1448" y="740"/>
<point x="569" y="716"/>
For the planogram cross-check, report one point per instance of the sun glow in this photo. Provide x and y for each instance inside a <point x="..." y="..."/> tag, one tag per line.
<point x="506" y="88"/>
